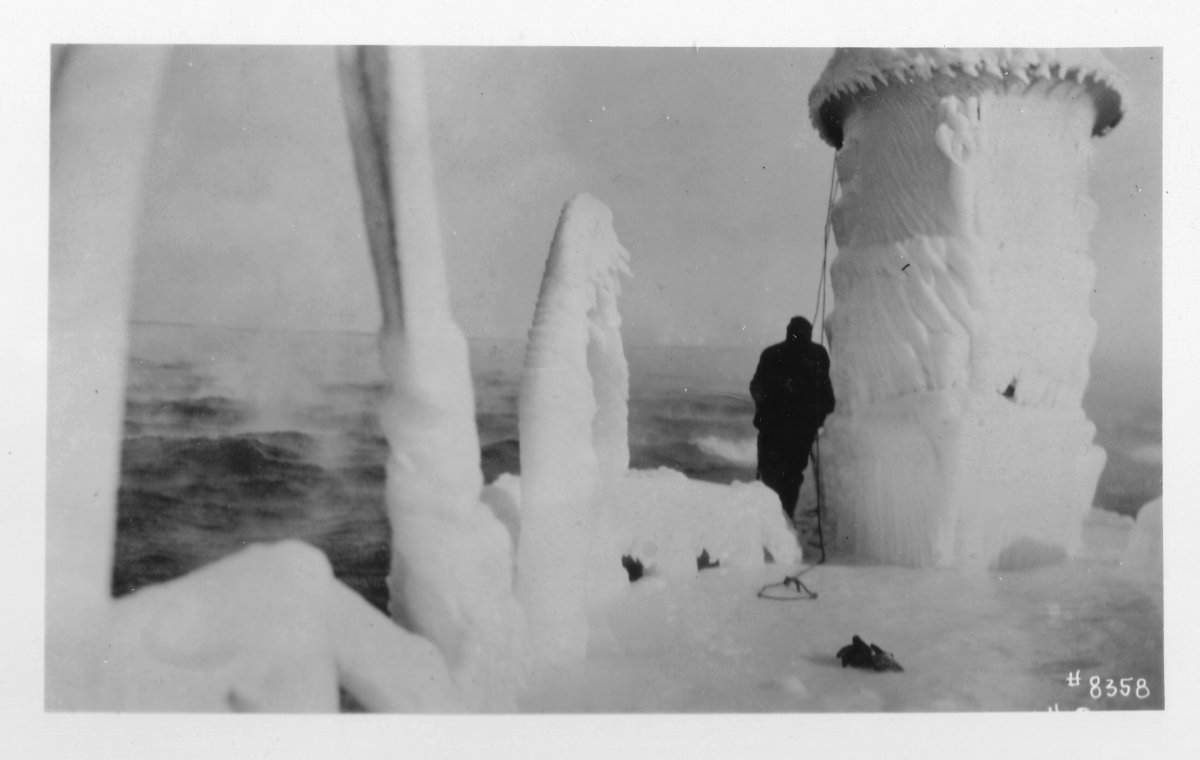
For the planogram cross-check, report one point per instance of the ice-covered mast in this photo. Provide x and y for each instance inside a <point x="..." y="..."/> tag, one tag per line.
<point x="961" y="331"/>
<point x="451" y="576"/>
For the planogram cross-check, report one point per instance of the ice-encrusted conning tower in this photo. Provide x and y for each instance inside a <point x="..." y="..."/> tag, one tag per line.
<point x="961" y="333"/>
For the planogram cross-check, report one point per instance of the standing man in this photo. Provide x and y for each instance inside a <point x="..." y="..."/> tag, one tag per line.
<point x="792" y="396"/>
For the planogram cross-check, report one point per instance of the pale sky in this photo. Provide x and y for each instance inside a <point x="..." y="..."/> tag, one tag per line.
<point x="717" y="182"/>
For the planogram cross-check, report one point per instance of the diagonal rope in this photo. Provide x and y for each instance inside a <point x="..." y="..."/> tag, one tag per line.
<point x="822" y="283"/>
<point x="819" y="312"/>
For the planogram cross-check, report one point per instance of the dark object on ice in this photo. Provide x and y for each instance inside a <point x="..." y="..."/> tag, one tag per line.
<point x="859" y="654"/>
<point x="1010" y="392"/>
<point x="704" y="562"/>
<point x="633" y="566"/>
<point x="792" y="396"/>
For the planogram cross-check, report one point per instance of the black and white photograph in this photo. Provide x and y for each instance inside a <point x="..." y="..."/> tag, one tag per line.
<point x="539" y="379"/>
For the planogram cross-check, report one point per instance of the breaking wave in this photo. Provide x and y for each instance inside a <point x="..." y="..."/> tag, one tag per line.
<point x="740" y="451"/>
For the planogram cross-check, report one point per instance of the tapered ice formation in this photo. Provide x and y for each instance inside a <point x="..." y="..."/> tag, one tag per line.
<point x="573" y="423"/>
<point x="451" y="575"/>
<point x="961" y="333"/>
<point x="582" y="511"/>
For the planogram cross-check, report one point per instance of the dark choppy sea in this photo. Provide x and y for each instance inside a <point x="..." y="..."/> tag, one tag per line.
<point x="237" y="436"/>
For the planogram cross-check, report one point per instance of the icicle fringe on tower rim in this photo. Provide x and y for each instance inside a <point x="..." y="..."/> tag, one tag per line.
<point x="856" y="71"/>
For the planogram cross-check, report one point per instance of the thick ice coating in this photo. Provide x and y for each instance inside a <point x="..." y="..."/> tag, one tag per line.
<point x="581" y="510"/>
<point x="573" y="423"/>
<point x="666" y="521"/>
<point x="266" y="630"/>
<point x="855" y="72"/>
<point x="451" y="575"/>
<point x="961" y="332"/>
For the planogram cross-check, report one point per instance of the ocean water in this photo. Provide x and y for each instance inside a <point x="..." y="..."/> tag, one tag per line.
<point x="236" y="436"/>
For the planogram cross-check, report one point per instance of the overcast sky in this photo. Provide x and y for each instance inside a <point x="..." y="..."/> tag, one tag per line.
<point x="716" y="179"/>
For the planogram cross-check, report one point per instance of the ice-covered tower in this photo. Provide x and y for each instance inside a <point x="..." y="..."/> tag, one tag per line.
<point x="961" y="332"/>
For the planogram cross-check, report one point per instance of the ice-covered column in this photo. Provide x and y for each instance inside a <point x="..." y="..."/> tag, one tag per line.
<point x="573" y="424"/>
<point x="103" y="106"/>
<point x="452" y="569"/>
<point x="961" y="332"/>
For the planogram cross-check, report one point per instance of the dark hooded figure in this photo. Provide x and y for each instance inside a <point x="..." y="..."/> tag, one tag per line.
<point x="792" y="396"/>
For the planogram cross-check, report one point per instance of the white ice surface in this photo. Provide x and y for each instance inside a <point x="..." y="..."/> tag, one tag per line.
<point x="966" y="641"/>
<point x="665" y="521"/>
<point x="268" y="629"/>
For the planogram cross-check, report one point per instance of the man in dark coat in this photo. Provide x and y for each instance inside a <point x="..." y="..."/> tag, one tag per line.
<point x="792" y="396"/>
